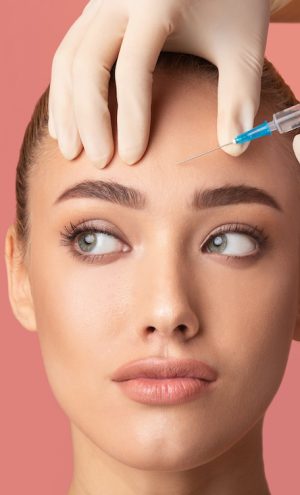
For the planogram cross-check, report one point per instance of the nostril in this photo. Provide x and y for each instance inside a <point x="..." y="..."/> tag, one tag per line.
<point x="182" y="328"/>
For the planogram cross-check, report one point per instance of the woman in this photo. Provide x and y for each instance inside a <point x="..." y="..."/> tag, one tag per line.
<point x="196" y="262"/>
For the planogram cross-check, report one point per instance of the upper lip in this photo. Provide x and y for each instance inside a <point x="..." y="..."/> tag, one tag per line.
<point x="164" y="368"/>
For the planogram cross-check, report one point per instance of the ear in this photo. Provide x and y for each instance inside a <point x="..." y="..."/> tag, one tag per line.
<point x="19" y="289"/>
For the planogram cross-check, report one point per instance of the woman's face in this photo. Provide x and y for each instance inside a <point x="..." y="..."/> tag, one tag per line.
<point x="165" y="266"/>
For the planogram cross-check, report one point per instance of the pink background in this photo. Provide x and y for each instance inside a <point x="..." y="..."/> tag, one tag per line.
<point x="36" y="455"/>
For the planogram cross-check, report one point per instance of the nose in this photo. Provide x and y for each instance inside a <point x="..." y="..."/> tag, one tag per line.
<point x="165" y="302"/>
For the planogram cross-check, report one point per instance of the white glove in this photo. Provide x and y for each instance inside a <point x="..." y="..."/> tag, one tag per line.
<point x="230" y="33"/>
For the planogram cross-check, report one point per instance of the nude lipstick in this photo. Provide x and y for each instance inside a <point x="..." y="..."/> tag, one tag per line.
<point x="164" y="381"/>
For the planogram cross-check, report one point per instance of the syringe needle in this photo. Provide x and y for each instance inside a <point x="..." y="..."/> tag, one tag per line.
<point x="205" y="153"/>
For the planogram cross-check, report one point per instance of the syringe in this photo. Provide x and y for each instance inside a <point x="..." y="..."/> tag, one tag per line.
<point x="283" y="121"/>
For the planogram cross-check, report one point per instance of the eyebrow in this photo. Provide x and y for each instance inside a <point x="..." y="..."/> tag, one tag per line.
<point x="122" y="195"/>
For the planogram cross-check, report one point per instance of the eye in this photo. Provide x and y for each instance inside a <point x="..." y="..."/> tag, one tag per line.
<point x="90" y="242"/>
<point x="231" y="244"/>
<point x="98" y="242"/>
<point x="236" y="241"/>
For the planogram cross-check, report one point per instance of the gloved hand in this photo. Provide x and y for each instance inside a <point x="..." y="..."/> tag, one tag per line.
<point x="230" y="33"/>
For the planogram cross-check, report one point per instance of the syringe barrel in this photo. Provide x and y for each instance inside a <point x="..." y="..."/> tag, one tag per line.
<point x="287" y="119"/>
<point x="257" y="132"/>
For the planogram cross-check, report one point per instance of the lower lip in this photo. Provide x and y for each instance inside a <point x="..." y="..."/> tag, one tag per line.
<point x="165" y="390"/>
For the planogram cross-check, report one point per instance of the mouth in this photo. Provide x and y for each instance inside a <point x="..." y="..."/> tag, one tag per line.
<point x="165" y="381"/>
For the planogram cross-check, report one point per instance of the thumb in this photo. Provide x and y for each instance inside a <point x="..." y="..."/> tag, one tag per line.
<point x="296" y="146"/>
<point x="238" y="101"/>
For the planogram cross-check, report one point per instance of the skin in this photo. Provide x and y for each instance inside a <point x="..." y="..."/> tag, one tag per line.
<point x="240" y="314"/>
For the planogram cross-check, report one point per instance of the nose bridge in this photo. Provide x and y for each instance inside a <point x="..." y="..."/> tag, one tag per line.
<point x="166" y="286"/>
<point x="166" y="269"/>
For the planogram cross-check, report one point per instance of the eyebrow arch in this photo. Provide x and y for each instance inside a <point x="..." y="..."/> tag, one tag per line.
<point x="132" y="198"/>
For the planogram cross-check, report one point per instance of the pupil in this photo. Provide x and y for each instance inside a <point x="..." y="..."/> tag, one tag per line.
<point x="218" y="241"/>
<point x="89" y="238"/>
<point x="87" y="241"/>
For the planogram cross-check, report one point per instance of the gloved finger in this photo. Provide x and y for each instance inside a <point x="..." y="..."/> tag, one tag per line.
<point x="91" y="74"/>
<point x="296" y="146"/>
<point x="142" y="43"/>
<point x="92" y="6"/>
<point x="238" y="102"/>
<point x="62" y="123"/>
<point x="51" y="126"/>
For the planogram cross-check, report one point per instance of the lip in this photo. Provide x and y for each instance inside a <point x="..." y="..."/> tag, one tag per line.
<point x="164" y="381"/>
<point x="162" y="368"/>
<point x="164" y="391"/>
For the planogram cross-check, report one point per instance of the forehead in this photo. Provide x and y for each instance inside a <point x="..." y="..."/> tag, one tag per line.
<point x="184" y="123"/>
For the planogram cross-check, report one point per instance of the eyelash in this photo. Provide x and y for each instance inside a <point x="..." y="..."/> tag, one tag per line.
<point x="72" y="231"/>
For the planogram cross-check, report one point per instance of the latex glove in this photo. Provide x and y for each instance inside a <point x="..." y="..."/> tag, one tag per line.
<point x="230" y="33"/>
<point x="296" y="146"/>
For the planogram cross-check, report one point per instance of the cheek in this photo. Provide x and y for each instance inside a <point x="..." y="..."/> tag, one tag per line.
<point x="259" y="315"/>
<point x="77" y="312"/>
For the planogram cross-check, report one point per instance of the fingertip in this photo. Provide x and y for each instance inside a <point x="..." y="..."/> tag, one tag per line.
<point x="296" y="146"/>
<point x="230" y="125"/>
<point x="100" y="161"/>
<point x="131" y="155"/>
<point x="236" y="149"/>
<point x="70" y="148"/>
<point x="69" y="154"/>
